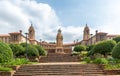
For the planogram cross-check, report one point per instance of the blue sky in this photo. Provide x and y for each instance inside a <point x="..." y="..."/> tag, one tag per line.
<point x="79" y="12"/>
<point x="72" y="15"/>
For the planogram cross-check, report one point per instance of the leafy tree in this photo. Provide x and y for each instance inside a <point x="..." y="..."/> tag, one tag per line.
<point x="116" y="51"/>
<point x="79" y="48"/>
<point x="32" y="51"/>
<point x="41" y="50"/>
<point x="117" y="39"/>
<point x="6" y="53"/>
<point x="104" y="47"/>
<point x="17" y="49"/>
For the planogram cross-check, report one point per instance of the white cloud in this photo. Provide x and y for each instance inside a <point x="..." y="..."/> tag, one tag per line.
<point x="111" y="17"/>
<point x="16" y="15"/>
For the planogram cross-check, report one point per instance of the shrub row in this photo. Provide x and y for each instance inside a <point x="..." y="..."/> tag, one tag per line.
<point x="8" y="52"/>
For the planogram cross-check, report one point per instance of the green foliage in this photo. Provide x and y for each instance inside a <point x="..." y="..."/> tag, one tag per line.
<point x="14" y="62"/>
<point x="100" y="61"/>
<point x="75" y="53"/>
<point x="6" y="53"/>
<point x="89" y="48"/>
<point x="112" y="67"/>
<point x="90" y="53"/>
<point x="23" y="44"/>
<point x="98" y="55"/>
<point x="113" y="64"/>
<point x="79" y="48"/>
<point x="83" y="53"/>
<point x="117" y="39"/>
<point x="19" y="61"/>
<point x="41" y="50"/>
<point x="17" y="49"/>
<point x="5" y="69"/>
<point x="114" y="61"/>
<point x="104" y="47"/>
<point x="87" y="59"/>
<point x="116" y="51"/>
<point x="32" y="51"/>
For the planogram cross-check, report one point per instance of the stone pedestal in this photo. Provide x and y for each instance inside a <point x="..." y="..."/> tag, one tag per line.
<point x="59" y="50"/>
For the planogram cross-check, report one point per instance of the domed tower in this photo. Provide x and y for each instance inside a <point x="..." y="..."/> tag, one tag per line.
<point x="86" y="31"/>
<point x="31" y="32"/>
<point x="59" y="39"/>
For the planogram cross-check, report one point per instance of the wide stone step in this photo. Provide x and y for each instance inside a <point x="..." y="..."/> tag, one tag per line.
<point x="59" y="58"/>
<point x="59" y="69"/>
<point x="72" y="73"/>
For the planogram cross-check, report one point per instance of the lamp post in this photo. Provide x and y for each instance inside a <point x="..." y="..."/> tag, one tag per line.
<point x="26" y="46"/>
<point x="40" y="41"/>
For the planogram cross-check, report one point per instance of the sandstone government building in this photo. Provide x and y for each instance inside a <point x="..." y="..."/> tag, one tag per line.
<point x="58" y="47"/>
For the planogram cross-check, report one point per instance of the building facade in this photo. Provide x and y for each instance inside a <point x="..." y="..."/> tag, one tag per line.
<point x="59" y="46"/>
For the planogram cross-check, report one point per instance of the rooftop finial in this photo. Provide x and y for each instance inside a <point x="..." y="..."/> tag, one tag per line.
<point x="59" y="30"/>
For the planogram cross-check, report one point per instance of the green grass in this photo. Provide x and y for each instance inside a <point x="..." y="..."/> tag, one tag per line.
<point x="33" y="62"/>
<point x="5" y="69"/>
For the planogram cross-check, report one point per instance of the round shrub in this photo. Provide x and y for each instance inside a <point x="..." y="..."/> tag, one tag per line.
<point x="32" y="51"/>
<point x="117" y="39"/>
<point x="104" y="47"/>
<point x="6" y="53"/>
<point x="17" y="49"/>
<point x="40" y="50"/>
<point x="116" y="51"/>
<point x="79" y="48"/>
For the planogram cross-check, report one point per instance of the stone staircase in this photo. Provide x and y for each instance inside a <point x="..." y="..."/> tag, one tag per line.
<point x="52" y="57"/>
<point x="57" y="69"/>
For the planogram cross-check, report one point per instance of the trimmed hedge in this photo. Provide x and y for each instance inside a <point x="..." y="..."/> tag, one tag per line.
<point x="79" y="48"/>
<point x="117" y="39"/>
<point x="104" y="47"/>
<point x="32" y="51"/>
<point x="6" y="53"/>
<point x="17" y="49"/>
<point x="40" y="50"/>
<point x="116" y="51"/>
